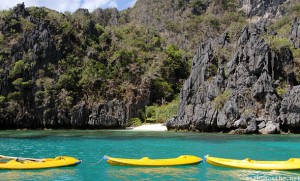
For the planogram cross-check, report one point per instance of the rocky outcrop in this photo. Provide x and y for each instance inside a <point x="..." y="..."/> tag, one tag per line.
<point x="44" y="84"/>
<point x="107" y="17"/>
<point x="111" y="115"/>
<point x="290" y="110"/>
<point x="295" y="32"/>
<point x="41" y="44"/>
<point x="263" y="9"/>
<point x="241" y="94"/>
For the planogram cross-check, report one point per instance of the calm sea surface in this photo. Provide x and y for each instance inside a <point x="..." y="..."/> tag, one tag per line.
<point x="91" y="146"/>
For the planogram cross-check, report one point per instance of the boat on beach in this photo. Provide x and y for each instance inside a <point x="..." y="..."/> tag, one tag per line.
<point x="145" y="161"/>
<point x="247" y="163"/>
<point x="20" y="163"/>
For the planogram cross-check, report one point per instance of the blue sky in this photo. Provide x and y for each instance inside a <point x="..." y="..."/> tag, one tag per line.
<point x="70" y="5"/>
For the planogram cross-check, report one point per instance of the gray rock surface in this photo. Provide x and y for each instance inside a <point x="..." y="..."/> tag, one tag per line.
<point x="110" y="115"/>
<point x="270" y="128"/>
<point x="44" y="45"/>
<point x="262" y="8"/>
<point x="240" y="97"/>
<point x="290" y="110"/>
<point x="295" y="33"/>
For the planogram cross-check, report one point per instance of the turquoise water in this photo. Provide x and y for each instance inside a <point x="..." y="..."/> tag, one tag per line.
<point x="90" y="146"/>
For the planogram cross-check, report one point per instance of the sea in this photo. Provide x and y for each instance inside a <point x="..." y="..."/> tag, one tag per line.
<point x="91" y="145"/>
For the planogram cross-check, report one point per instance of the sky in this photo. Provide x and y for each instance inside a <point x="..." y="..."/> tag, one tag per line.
<point x="70" y="5"/>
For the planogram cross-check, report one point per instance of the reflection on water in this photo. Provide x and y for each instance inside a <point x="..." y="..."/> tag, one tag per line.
<point x="151" y="173"/>
<point x="249" y="175"/>
<point x="43" y="174"/>
<point x="91" y="145"/>
<point x="274" y="175"/>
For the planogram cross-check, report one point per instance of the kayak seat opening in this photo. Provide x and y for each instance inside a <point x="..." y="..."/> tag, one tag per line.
<point x="247" y="160"/>
<point x="59" y="158"/>
<point x="20" y="160"/>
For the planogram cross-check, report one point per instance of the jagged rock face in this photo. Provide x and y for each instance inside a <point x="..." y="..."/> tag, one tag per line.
<point x="19" y="10"/>
<point x="240" y="95"/>
<point x="262" y="8"/>
<point x="45" y="45"/>
<point x="221" y="95"/>
<point x="106" y="16"/>
<point x="295" y="33"/>
<point x="290" y="110"/>
<point x="108" y="115"/>
<point x="175" y="24"/>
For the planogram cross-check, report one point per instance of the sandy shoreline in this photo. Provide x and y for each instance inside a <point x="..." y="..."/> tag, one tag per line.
<point x="149" y="127"/>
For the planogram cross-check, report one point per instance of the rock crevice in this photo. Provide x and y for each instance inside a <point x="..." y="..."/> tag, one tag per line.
<point x="243" y="95"/>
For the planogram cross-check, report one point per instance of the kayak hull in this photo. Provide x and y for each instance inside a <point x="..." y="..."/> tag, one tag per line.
<point x="290" y="164"/>
<point x="181" y="160"/>
<point x="60" y="161"/>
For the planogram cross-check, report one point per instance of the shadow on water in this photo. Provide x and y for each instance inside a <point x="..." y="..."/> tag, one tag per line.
<point x="152" y="173"/>
<point x="42" y="174"/>
<point x="127" y="134"/>
<point x="217" y="173"/>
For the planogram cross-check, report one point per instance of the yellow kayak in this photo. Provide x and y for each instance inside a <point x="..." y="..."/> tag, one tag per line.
<point x="181" y="160"/>
<point x="290" y="164"/>
<point x="32" y="163"/>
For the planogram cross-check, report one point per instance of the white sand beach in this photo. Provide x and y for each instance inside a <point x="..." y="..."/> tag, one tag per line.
<point x="150" y="127"/>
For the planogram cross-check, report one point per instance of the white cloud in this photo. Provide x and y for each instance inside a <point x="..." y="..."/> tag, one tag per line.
<point x="93" y="4"/>
<point x="61" y="5"/>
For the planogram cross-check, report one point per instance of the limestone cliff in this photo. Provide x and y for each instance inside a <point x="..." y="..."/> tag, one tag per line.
<point x="244" y="93"/>
<point x="44" y="55"/>
<point x="100" y="69"/>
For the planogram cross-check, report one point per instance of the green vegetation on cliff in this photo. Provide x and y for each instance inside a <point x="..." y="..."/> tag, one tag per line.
<point x="53" y="61"/>
<point x="53" y="64"/>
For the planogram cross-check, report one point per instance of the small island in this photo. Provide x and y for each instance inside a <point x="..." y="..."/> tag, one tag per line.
<point x="204" y="66"/>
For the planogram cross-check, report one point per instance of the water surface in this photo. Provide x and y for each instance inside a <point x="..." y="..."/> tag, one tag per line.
<point x="91" y="145"/>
